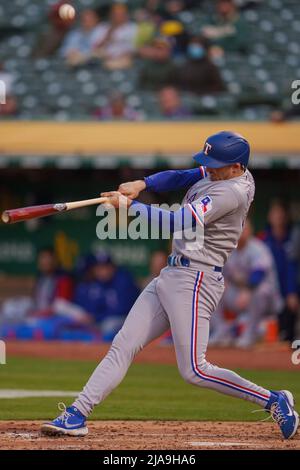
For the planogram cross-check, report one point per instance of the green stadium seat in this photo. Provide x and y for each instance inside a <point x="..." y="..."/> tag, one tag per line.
<point x="30" y="101"/>
<point x="20" y="89"/>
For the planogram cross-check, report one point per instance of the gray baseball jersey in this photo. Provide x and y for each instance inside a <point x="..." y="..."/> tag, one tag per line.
<point x="224" y="206"/>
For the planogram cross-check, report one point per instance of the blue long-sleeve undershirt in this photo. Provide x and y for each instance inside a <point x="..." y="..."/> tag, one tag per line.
<point x="172" y="180"/>
<point x="185" y="218"/>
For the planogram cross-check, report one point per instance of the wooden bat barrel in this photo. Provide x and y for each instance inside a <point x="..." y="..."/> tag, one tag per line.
<point x="31" y="212"/>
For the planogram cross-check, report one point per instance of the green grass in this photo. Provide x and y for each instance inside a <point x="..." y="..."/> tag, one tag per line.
<point x="148" y="392"/>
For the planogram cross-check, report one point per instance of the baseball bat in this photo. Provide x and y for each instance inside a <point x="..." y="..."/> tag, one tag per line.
<point x="33" y="212"/>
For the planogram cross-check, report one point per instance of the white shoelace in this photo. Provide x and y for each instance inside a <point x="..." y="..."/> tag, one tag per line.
<point x="65" y="414"/>
<point x="275" y="413"/>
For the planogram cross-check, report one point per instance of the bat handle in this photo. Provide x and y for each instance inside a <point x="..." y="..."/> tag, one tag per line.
<point x="89" y="202"/>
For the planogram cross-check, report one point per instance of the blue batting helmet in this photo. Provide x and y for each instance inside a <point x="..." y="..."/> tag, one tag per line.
<point x="222" y="149"/>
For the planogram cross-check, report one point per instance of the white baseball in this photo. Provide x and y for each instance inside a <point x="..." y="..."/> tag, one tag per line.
<point x="67" y="12"/>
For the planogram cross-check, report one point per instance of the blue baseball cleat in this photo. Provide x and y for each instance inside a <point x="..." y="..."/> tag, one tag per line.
<point x="71" y="422"/>
<point x="281" y="408"/>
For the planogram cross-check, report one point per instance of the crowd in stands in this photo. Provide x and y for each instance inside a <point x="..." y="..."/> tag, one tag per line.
<point x="172" y="59"/>
<point x="200" y="48"/>
<point x="262" y="280"/>
<point x="153" y="33"/>
<point x="170" y="56"/>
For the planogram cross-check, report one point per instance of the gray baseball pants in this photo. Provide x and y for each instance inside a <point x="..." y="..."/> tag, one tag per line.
<point x="182" y="299"/>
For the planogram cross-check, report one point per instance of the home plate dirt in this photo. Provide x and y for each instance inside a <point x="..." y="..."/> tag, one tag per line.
<point x="150" y="435"/>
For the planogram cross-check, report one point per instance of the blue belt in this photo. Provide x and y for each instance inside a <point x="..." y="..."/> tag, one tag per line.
<point x="179" y="260"/>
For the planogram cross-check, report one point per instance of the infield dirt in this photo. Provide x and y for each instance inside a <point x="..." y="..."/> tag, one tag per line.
<point x="149" y="435"/>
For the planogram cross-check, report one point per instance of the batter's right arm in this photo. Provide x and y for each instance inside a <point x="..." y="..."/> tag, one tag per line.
<point x="169" y="180"/>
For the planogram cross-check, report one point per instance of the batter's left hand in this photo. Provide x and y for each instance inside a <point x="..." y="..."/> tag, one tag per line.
<point x="116" y="199"/>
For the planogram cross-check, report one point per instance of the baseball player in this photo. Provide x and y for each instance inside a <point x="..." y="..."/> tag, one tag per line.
<point x="187" y="291"/>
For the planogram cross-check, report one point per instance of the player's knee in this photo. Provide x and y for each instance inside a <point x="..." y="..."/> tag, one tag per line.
<point x="189" y="375"/>
<point x="194" y="374"/>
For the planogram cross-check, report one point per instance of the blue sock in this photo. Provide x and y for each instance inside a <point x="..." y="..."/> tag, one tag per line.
<point x="76" y="411"/>
<point x="273" y="398"/>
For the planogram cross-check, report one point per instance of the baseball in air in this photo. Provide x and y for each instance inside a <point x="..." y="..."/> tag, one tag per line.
<point x="67" y="12"/>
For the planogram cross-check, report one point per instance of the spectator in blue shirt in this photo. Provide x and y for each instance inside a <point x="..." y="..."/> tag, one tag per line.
<point x="108" y="296"/>
<point x="278" y="238"/>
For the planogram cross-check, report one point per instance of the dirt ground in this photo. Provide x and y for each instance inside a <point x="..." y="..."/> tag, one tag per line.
<point x="149" y="435"/>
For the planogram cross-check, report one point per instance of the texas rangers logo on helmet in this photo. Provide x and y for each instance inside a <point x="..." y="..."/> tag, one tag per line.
<point x="207" y="148"/>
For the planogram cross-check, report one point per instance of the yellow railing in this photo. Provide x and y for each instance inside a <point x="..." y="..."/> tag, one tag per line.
<point x="88" y="138"/>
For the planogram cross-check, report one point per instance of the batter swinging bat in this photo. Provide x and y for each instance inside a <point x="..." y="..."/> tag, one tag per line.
<point x="33" y="212"/>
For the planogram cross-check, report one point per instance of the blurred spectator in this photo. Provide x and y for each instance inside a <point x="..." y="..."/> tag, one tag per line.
<point x="118" y="109"/>
<point x="10" y="107"/>
<point x="227" y="31"/>
<point x="251" y="291"/>
<point x="155" y="9"/>
<point x="158" y="261"/>
<point x="157" y="67"/>
<point x="51" y="39"/>
<point x="199" y="74"/>
<point x="146" y="27"/>
<point x="118" y="44"/>
<point x="170" y="104"/>
<point x="173" y="7"/>
<point x="248" y="4"/>
<point x="79" y="44"/>
<point x="52" y="283"/>
<point x="83" y="270"/>
<point x="278" y="237"/>
<point x="290" y="114"/>
<point x="295" y="250"/>
<point x="178" y="38"/>
<point x="108" y="297"/>
<point x="7" y="78"/>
